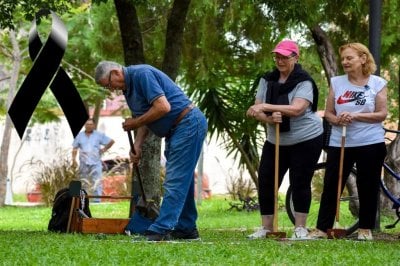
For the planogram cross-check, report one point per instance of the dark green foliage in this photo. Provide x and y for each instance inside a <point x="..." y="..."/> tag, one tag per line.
<point x="9" y="8"/>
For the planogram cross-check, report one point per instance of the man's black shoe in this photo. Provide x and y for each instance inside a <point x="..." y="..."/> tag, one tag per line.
<point x="153" y="236"/>
<point x="186" y="235"/>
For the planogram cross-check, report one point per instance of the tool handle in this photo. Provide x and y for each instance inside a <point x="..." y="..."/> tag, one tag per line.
<point x="136" y="167"/>
<point x="276" y="178"/>
<point x="340" y="177"/>
<point x="131" y="141"/>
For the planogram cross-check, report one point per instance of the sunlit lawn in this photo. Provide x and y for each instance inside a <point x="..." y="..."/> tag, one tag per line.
<point x="24" y="240"/>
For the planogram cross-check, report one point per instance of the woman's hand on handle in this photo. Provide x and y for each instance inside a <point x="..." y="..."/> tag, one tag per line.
<point x="344" y="119"/>
<point x="277" y="117"/>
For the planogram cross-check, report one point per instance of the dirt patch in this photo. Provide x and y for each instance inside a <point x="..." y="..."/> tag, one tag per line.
<point x="380" y="236"/>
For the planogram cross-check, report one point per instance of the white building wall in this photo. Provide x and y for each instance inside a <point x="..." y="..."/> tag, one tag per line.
<point x="42" y="142"/>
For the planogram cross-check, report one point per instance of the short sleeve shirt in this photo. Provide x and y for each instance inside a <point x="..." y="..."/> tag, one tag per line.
<point x="357" y="99"/>
<point x="304" y="127"/>
<point x="144" y="84"/>
<point x="89" y="146"/>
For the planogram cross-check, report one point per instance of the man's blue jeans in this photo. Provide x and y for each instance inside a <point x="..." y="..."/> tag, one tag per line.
<point x="182" y="150"/>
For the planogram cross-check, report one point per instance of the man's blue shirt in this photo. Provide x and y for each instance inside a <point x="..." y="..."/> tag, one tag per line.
<point x="144" y="84"/>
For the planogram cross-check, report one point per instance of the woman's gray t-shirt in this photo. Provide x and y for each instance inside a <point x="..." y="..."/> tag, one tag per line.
<point x="304" y="127"/>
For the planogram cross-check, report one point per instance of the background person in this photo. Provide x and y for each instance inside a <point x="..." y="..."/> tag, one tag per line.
<point x="289" y="96"/>
<point x="91" y="145"/>
<point x="358" y="101"/>
<point x="205" y="186"/>
<point x="161" y="106"/>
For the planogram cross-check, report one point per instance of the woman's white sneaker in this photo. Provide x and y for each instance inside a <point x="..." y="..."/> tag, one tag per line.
<point x="260" y="233"/>
<point x="300" y="233"/>
<point x="365" y="234"/>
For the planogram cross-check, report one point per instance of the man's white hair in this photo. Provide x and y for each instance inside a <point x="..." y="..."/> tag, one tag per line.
<point x="103" y="69"/>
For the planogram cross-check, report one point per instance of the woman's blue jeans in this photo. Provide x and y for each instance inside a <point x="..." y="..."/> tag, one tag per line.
<point x="182" y="150"/>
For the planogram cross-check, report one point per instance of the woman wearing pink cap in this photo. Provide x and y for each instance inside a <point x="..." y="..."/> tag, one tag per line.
<point x="287" y="96"/>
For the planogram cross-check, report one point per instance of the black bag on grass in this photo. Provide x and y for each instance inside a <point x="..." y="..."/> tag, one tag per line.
<point x="61" y="208"/>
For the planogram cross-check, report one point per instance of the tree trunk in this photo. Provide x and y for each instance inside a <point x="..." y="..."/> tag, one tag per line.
<point x="5" y="144"/>
<point x="5" y="147"/>
<point x="130" y="32"/>
<point x="150" y="167"/>
<point x="174" y="37"/>
<point x="133" y="53"/>
<point x="325" y="51"/>
<point x="96" y="112"/>
<point x="354" y="204"/>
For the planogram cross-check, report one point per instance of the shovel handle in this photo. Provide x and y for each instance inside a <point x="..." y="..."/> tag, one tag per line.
<point x="340" y="177"/>
<point x="136" y="167"/>
<point x="131" y="141"/>
<point x="276" y="178"/>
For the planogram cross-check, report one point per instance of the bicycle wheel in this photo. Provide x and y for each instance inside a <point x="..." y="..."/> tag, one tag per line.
<point x="388" y="184"/>
<point x="348" y="204"/>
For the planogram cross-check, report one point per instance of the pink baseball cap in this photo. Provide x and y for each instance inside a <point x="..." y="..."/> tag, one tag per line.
<point x="286" y="48"/>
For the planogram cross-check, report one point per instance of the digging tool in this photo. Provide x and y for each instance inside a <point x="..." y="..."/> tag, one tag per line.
<point x="275" y="232"/>
<point x="337" y="232"/>
<point x="147" y="208"/>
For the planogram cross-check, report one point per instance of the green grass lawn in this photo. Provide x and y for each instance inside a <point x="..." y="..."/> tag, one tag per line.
<point x="24" y="240"/>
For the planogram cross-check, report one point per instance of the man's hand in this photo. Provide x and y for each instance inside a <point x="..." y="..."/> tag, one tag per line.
<point x="135" y="157"/>
<point x="130" y="124"/>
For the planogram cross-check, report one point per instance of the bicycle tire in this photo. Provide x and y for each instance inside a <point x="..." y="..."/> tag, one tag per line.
<point x="386" y="190"/>
<point x="351" y="224"/>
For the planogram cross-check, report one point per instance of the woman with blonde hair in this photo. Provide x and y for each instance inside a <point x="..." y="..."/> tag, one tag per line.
<point x="357" y="100"/>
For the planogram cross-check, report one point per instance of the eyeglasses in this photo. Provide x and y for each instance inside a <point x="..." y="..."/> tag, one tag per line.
<point x="108" y="86"/>
<point x="282" y="58"/>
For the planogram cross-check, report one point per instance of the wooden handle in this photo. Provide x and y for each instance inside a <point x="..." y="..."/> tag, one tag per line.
<point x="340" y="178"/>
<point x="276" y="178"/>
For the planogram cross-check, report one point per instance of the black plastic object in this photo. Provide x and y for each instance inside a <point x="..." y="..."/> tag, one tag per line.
<point x="46" y="71"/>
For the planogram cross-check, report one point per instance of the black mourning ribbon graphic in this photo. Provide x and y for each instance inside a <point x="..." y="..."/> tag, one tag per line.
<point x="46" y="71"/>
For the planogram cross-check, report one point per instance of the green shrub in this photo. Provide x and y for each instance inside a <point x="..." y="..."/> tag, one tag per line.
<point x="54" y="175"/>
<point x="240" y="188"/>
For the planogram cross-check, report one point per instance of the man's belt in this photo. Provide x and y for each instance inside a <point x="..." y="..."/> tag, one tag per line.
<point x="183" y="113"/>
